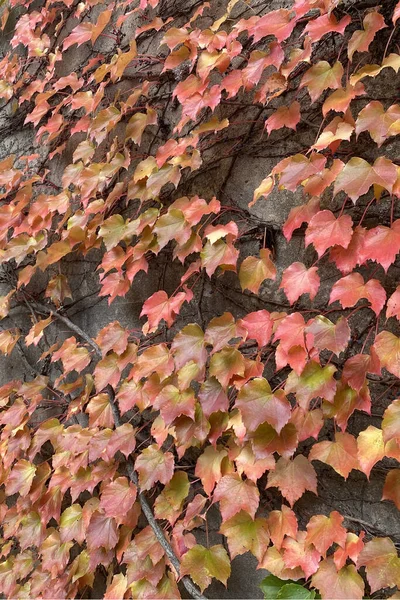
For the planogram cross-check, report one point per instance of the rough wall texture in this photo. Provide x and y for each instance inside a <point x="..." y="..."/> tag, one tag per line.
<point x="233" y="170"/>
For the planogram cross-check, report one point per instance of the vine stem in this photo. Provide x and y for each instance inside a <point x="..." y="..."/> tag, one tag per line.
<point x="158" y="532"/>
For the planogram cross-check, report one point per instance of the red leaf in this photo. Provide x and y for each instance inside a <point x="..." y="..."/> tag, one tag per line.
<point x="113" y="337"/>
<point x="258" y="326"/>
<point x="349" y="290"/>
<point x="154" y="465"/>
<point x="328" y="335"/>
<point x="117" y="497"/>
<point x="319" y="27"/>
<point x="324" y="531"/>
<point x="391" y="489"/>
<point x="341" y="454"/>
<point x="211" y="466"/>
<point x="282" y="523"/>
<point x="325" y="231"/>
<point x="234" y="495"/>
<point x="298" y="280"/>
<point x="293" y="478"/>
<point x="102" y="531"/>
<point x="322" y="76"/>
<point x="382" y="244"/>
<point x="173" y="403"/>
<point x="257" y="404"/>
<point x="387" y="347"/>
<point x="379" y="557"/>
<point x="159" y="306"/>
<point x="300" y="554"/>
<point x="278" y="23"/>
<point x="362" y="38"/>
<point x="285" y="116"/>
<point x="341" y="584"/>
<point x="358" y="176"/>
<point x="393" y="305"/>
<point x="299" y="215"/>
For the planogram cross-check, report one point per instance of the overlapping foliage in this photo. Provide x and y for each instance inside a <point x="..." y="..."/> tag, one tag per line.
<point x="74" y="498"/>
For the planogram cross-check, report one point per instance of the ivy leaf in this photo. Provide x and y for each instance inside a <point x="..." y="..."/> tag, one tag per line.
<point x="265" y="441"/>
<point x="278" y="23"/>
<point x="169" y="503"/>
<point x="284" y="116"/>
<point x="324" y="24"/>
<point x="221" y="254"/>
<point x="258" y="325"/>
<point x="154" y="465"/>
<point x="377" y="121"/>
<point x="293" y="478"/>
<point x="188" y="345"/>
<point x="73" y="357"/>
<point x="113" y="337"/>
<point x="20" y="479"/>
<point x="338" y="130"/>
<point x="387" y="347"/>
<point x="298" y="280"/>
<point x="234" y="495"/>
<point x="347" y="258"/>
<point x="101" y="532"/>
<point x="211" y="466"/>
<point x="358" y="176"/>
<point x="393" y="305"/>
<point x="362" y="38"/>
<point x="382" y="244"/>
<point x="322" y="76"/>
<point x="349" y="290"/>
<point x="172" y="403"/>
<point x="213" y="397"/>
<point x="371" y="448"/>
<point x="323" y="531"/>
<point x="391" y="421"/>
<point x="340" y="100"/>
<point x="341" y="584"/>
<point x="325" y="231"/>
<point x="79" y="35"/>
<point x="328" y="335"/>
<point x="221" y="330"/>
<point x="245" y="534"/>
<point x="391" y="489"/>
<point x="298" y="553"/>
<point x="72" y="526"/>
<point x="117" y="587"/>
<point x="253" y="271"/>
<point x="282" y="523"/>
<point x="352" y="549"/>
<point x="299" y="215"/>
<point x="379" y="557"/>
<point x="341" y="454"/>
<point x="313" y="382"/>
<point x="118" y="497"/>
<point x="204" y="564"/>
<point x="99" y="411"/>
<point x="271" y="586"/>
<point x="159" y="306"/>
<point x="257" y="404"/>
<point x="225" y="364"/>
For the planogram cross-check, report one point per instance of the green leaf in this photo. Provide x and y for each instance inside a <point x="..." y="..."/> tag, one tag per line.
<point x="293" y="591"/>
<point x="271" y="586"/>
<point x="279" y="589"/>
